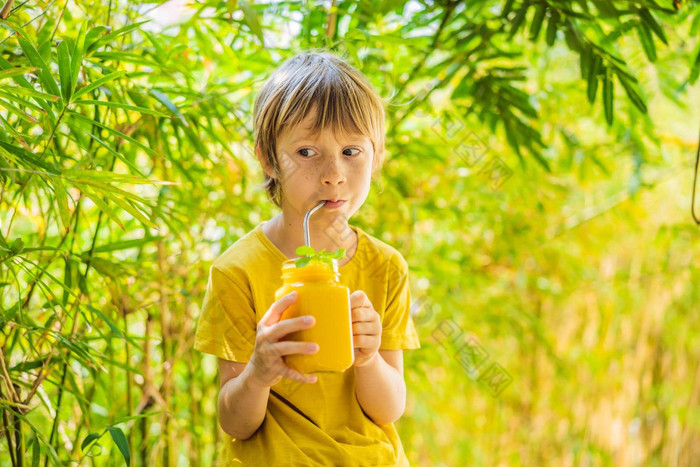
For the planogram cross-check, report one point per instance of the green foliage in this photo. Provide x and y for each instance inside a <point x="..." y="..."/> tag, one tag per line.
<point x="126" y="167"/>
<point x="308" y="254"/>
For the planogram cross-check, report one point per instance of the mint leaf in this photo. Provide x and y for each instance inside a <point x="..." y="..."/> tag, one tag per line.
<point x="308" y="254"/>
<point x="305" y="250"/>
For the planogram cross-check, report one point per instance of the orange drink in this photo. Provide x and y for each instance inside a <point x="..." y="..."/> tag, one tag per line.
<point x="319" y="294"/>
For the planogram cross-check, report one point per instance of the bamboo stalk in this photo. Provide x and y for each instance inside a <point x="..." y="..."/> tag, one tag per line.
<point x="6" y="432"/>
<point x="6" y="9"/>
<point x="19" y="436"/>
<point x="332" y="19"/>
<point x="167" y="357"/>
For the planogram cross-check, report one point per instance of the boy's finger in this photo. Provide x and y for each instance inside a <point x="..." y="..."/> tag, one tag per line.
<point x="359" y="298"/>
<point x="274" y="314"/>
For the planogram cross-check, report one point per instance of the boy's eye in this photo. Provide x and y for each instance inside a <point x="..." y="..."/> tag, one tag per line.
<point x="305" y="154"/>
<point x="310" y="152"/>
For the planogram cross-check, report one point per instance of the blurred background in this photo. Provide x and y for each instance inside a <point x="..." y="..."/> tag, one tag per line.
<point x="538" y="181"/>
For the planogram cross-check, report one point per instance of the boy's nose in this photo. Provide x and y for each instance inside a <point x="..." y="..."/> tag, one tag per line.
<point x="333" y="173"/>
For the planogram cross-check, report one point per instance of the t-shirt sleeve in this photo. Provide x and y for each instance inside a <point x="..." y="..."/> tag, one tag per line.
<point x="227" y="324"/>
<point x="398" y="330"/>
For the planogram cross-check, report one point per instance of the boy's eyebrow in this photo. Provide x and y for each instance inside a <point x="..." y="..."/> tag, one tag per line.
<point x="306" y="136"/>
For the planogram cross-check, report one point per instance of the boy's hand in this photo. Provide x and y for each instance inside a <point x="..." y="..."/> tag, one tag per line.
<point x="366" y="328"/>
<point x="270" y="347"/>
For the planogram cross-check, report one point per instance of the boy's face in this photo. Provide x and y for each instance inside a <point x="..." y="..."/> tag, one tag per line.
<point x="324" y="166"/>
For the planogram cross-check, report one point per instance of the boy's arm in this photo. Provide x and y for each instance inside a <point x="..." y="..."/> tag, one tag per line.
<point x="380" y="387"/>
<point x="242" y="401"/>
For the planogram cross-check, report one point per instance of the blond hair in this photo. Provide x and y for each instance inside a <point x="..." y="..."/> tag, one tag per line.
<point x="343" y="98"/>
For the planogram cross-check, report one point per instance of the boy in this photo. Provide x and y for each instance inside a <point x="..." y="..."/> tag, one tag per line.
<point x="319" y="136"/>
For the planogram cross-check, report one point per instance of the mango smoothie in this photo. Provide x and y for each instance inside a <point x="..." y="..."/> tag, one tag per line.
<point x="319" y="294"/>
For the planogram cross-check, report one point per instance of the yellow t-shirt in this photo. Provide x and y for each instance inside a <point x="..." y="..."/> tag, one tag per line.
<point x="305" y="424"/>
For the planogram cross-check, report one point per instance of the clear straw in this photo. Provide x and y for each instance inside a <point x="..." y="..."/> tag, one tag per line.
<point x="306" y="221"/>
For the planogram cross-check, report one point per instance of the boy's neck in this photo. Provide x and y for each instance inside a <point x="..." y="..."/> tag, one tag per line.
<point x="288" y="234"/>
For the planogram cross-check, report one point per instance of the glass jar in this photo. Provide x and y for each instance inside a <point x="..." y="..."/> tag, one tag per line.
<point x="319" y="294"/>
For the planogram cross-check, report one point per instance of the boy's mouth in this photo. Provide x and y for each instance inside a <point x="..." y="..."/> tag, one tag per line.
<point x="333" y="203"/>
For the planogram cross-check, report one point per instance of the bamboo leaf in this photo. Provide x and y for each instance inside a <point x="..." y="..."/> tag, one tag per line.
<point x="119" y="105"/>
<point x="62" y="202"/>
<point x="251" y="18"/>
<point x="28" y="157"/>
<point x="97" y="199"/>
<point x="89" y="439"/>
<point x="593" y="78"/>
<point x="518" y="20"/>
<point x="99" y="82"/>
<point x="537" y="20"/>
<point x="165" y="100"/>
<point x="17" y="111"/>
<point x="126" y="244"/>
<point x="107" y="176"/>
<point x="112" y="36"/>
<point x="552" y="27"/>
<point x="77" y="56"/>
<point x="121" y="442"/>
<point x="94" y="34"/>
<point x="5" y="65"/>
<point x="14" y="90"/>
<point x="650" y="21"/>
<point x="608" y="96"/>
<point x="647" y="42"/>
<point x="695" y="67"/>
<point x="113" y="131"/>
<point x="64" y="70"/>
<point x="111" y="150"/>
<point x="16" y="72"/>
<point x="633" y="94"/>
<point x="36" y="60"/>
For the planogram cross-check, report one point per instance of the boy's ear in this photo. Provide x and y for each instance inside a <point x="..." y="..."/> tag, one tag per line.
<point x="263" y="162"/>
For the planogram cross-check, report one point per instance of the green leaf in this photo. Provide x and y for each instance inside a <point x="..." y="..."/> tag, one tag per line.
<point x="126" y="244"/>
<point x="64" y="70"/>
<point x="62" y="202"/>
<point x="632" y="94"/>
<point x="28" y="157"/>
<point x="109" y="322"/>
<point x="648" y="18"/>
<point x="165" y="100"/>
<point x="305" y="250"/>
<point x="552" y="27"/>
<point x="17" y="111"/>
<point x="30" y="92"/>
<point x="593" y="77"/>
<point x="99" y="82"/>
<point x="97" y="199"/>
<point x="36" y="452"/>
<point x="77" y="55"/>
<point x="119" y="105"/>
<point x="112" y="36"/>
<point x="113" y="131"/>
<point x="5" y="65"/>
<point x="89" y="439"/>
<point x="251" y="19"/>
<point x="121" y="442"/>
<point x="536" y="24"/>
<point x="95" y="34"/>
<point x="518" y="20"/>
<point x="695" y="68"/>
<point x="16" y="72"/>
<point x="44" y="71"/>
<point x="608" y="96"/>
<point x="647" y="42"/>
